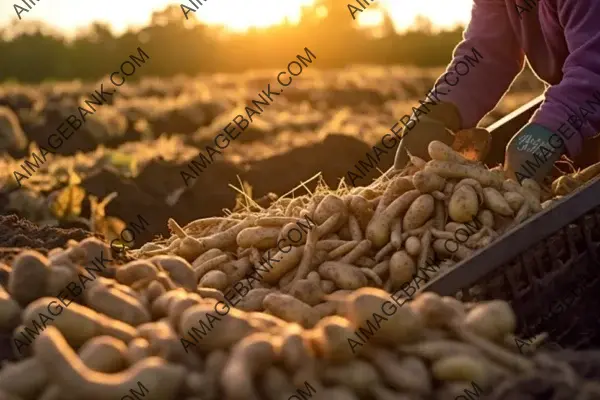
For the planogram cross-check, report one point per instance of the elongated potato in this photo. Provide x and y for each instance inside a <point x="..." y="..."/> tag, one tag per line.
<point x="287" y="262"/>
<point x="378" y="231"/>
<point x="427" y="182"/>
<point x="463" y="204"/>
<point x="291" y="229"/>
<point x="396" y="233"/>
<point x="494" y="200"/>
<point x="447" y="169"/>
<point x="395" y="189"/>
<point x="345" y="276"/>
<point x="442" y="152"/>
<point x="260" y="237"/>
<point x="418" y="213"/>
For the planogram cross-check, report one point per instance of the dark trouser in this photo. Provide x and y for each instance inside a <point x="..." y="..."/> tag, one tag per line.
<point x="504" y="129"/>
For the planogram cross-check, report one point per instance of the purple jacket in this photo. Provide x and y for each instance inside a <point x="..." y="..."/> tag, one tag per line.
<point x="561" y="39"/>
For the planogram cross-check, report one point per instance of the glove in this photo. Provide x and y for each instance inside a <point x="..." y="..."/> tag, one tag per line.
<point x="532" y="152"/>
<point x="473" y="144"/>
<point x="438" y="124"/>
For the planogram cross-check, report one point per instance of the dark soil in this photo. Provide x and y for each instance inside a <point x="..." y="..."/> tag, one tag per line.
<point x="209" y="194"/>
<point x="19" y="234"/>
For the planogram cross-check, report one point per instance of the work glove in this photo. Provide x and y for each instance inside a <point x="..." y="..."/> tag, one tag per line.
<point x="532" y="152"/>
<point x="439" y="123"/>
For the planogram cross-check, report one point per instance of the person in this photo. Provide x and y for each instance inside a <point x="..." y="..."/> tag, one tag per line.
<point x="561" y="41"/>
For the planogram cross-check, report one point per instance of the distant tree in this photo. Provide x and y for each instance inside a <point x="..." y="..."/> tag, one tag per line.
<point x="32" y="52"/>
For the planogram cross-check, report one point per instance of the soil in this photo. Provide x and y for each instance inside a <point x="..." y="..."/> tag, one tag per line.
<point x="17" y="234"/>
<point x="209" y="194"/>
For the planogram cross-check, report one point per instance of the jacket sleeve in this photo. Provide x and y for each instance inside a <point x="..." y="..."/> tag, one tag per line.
<point x="569" y="108"/>
<point x="484" y="63"/>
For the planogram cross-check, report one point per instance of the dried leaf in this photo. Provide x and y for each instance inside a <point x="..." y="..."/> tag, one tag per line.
<point x="67" y="203"/>
<point x="98" y="217"/>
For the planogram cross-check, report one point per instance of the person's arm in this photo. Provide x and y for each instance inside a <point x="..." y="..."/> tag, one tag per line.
<point x="489" y="75"/>
<point x="578" y="93"/>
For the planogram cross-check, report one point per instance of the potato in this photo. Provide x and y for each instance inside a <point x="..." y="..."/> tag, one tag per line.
<point x="427" y="182"/>
<point x="214" y="279"/>
<point x="329" y="206"/>
<point x="402" y="268"/>
<point x="486" y="217"/>
<point x="492" y="320"/>
<point x="442" y="152"/>
<point x="330" y="338"/>
<point x="9" y="311"/>
<point x="404" y="374"/>
<point x="220" y="334"/>
<point x="413" y="246"/>
<point x="403" y="325"/>
<point x="448" y="170"/>
<point x="287" y="262"/>
<point x="530" y="198"/>
<point x="514" y="200"/>
<point x="362" y="210"/>
<point x="418" y="213"/>
<point x="463" y="204"/>
<point x="308" y="291"/>
<point x="260" y="237"/>
<point x="474" y="184"/>
<point x="460" y="368"/>
<point x="357" y="374"/>
<point x="494" y="200"/>
<point x="533" y="187"/>
<point x="345" y="276"/>
<point x="290" y="309"/>
<point x="287" y="229"/>
<point x="253" y="300"/>
<point x="378" y="231"/>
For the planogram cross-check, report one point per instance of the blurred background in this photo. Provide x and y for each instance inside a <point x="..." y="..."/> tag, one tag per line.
<point x="203" y="71"/>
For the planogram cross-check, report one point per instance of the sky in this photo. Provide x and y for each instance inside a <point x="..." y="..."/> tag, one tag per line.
<point x="236" y="15"/>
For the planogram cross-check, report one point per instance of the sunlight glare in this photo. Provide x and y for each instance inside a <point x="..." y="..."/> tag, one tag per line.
<point x="250" y="14"/>
<point x="370" y="18"/>
<point x="236" y="15"/>
<point x="442" y="13"/>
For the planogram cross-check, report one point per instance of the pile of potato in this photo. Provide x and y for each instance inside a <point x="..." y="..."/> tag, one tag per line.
<point x="127" y="325"/>
<point x="321" y="315"/>
<point x="376" y="236"/>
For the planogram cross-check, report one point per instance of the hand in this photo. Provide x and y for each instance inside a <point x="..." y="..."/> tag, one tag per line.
<point x="473" y="144"/>
<point x="532" y="152"/>
<point x="438" y="124"/>
<point x="418" y="138"/>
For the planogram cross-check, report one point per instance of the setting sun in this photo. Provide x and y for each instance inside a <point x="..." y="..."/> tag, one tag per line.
<point x="235" y="15"/>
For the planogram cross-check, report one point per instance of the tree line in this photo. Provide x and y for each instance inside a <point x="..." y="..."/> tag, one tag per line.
<point x="177" y="46"/>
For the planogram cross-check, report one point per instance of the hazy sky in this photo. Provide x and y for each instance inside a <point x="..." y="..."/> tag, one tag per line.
<point x="236" y="14"/>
